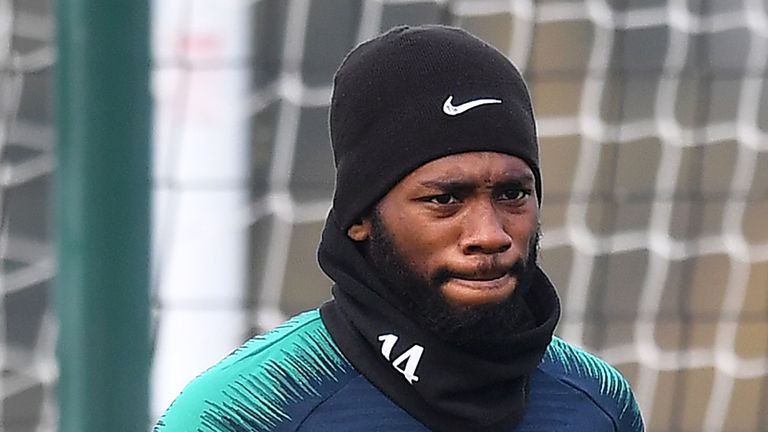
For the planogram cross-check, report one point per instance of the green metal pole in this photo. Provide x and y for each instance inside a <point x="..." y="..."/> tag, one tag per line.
<point x="102" y="214"/>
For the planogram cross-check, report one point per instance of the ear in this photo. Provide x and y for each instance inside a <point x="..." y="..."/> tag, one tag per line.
<point x="360" y="230"/>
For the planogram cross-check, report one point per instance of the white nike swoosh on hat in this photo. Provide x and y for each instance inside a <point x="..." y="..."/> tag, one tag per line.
<point x="452" y="110"/>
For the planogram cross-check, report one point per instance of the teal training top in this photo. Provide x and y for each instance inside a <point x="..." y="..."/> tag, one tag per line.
<point x="295" y="378"/>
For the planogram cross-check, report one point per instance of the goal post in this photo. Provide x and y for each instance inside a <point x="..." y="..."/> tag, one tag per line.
<point x="102" y="214"/>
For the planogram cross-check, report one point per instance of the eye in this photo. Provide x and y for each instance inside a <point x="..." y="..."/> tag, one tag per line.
<point x="443" y="199"/>
<point x="514" y="194"/>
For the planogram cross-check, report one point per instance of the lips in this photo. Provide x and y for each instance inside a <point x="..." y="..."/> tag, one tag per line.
<point x="481" y="284"/>
<point x="481" y="277"/>
<point x="483" y="281"/>
<point x="476" y="289"/>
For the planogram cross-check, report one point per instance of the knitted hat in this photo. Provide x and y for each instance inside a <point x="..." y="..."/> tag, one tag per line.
<point x="413" y="95"/>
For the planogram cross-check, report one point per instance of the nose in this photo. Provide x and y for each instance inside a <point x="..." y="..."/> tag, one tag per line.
<point x="484" y="231"/>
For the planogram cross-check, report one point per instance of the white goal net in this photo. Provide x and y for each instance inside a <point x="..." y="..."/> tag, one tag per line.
<point x="653" y="121"/>
<point x="27" y="326"/>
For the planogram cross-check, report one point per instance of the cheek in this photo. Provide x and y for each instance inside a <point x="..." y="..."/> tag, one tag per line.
<point x="441" y="251"/>
<point x="425" y="245"/>
<point x="522" y="229"/>
<point x="525" y="235"/>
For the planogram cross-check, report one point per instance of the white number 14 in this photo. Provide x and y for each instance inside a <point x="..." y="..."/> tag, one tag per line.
<point x="409" y="358"/>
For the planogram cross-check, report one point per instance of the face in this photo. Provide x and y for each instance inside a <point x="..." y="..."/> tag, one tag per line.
<point x="456" y="239"/>
<point x="467" y="222"/>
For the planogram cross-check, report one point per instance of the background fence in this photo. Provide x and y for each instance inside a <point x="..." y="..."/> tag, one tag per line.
<point x="653" y="120"/>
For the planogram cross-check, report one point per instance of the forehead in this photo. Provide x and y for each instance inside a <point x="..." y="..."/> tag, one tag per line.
<point x="481" y="167"/>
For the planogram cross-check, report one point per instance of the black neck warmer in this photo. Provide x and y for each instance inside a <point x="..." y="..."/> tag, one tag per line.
<point x="441" y="385"/>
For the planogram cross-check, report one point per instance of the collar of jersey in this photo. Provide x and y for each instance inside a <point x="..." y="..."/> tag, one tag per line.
<point x="456" y="390"/>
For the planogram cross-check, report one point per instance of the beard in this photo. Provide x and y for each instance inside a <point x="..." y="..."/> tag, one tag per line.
<point x="472" y="327"/>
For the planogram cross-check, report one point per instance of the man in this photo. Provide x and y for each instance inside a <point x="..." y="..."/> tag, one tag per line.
<point x="441" y="318"/>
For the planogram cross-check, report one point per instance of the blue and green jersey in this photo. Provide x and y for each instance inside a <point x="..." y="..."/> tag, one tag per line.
<point x="295" y="378"/>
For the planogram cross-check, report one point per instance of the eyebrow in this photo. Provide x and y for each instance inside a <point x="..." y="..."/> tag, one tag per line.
<point x="465" y="186"/>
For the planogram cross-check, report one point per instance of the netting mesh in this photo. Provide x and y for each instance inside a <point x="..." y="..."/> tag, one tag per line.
<point x="26" y="163"/>
<point x="652" y="115"/>
<point x="652" y="120"/>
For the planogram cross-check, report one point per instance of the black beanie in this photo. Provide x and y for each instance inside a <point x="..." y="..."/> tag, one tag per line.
<point x="413" y="95"/>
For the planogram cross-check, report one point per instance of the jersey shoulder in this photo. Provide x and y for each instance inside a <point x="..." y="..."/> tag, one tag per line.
<point x="596" y="379"/>
<point x="270" y="383"/>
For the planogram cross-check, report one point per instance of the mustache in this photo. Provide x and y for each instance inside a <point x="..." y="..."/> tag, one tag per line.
<point x="489" y="269"/>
